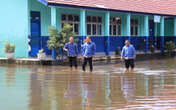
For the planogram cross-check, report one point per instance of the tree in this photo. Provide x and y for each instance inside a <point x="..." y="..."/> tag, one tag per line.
<point x="57" y="39"/>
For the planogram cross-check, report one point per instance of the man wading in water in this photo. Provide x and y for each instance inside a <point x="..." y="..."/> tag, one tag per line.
<point x="88" y="51"/>
<point x="72" y="52"/>
<point x="129" y="55"/>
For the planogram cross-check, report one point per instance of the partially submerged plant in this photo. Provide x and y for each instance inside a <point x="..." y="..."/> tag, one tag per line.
<point x="41" y="51"/>
<point x="9" y="48"/>
<point x="170" y="47"/>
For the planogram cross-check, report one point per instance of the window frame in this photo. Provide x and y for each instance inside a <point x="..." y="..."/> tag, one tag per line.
<point x="134" y="25"/>
<point x="97" y="23"/>
<point x="117" y="24"/>
<point x="71" y="22"/>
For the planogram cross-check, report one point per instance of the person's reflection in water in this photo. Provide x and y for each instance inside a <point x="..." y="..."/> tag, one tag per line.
<point x="73" y="93"/>
<point x="116" y="94"/>
<point x="89" y="91"/>
<point x="128" y="86"/>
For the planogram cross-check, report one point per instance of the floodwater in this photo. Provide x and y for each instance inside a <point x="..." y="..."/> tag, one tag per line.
<point x="151" y="87"/>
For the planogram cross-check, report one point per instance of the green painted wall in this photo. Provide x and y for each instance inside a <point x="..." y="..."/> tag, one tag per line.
<point x="169" y="27"/>
<point x="14" y="26"/>
<point x="45" y="13"/>
<point x="158" y="29"/>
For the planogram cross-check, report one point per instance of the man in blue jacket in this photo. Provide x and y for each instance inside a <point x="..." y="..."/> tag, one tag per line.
<point x="88" y="51"/>
<point x="129" y="55"/>
<point x="72" y="52"/>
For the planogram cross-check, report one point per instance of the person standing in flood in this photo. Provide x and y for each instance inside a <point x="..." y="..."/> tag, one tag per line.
<point x="129" y="55"/>
<point x="88" y="51"/>
<point x="72" y="52"/>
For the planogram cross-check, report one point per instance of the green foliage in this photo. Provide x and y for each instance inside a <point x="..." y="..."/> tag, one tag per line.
<point x="9" y="48"/>
<point x="170" y="47"/>
<point x="58" y="39"/>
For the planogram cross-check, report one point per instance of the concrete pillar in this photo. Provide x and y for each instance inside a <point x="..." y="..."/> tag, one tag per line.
<point x="175" y="30"/>
<point x="83" y="23"/>
<point x="128" y="24"/>
<point x="139" y="27"/>
<point x="123" y="26"/>
<point x="174" y="26"/>
<point x="107" y="24"/>
<point x="162" y="33"/>
<point x="156" y="29"/>
<point x="53" y="16"/>
<point x="53" y="23"/>
<point x="146" y="32"/>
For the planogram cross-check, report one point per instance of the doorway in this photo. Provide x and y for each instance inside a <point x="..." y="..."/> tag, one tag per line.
<point x="35" y="37"/>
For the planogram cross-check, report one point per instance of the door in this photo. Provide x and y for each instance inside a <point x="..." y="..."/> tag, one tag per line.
<point x="35" y="38"/>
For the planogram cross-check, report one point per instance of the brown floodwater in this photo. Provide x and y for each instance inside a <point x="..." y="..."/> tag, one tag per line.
<point x="151" y="87"/>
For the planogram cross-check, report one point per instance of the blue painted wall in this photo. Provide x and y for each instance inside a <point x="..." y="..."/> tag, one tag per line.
<point x="14" y="25"/>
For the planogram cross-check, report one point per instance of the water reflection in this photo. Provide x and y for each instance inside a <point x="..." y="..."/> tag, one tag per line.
<point x="10" y="76"/>
<point x="128" y="86"/>
<point x="55" y="88"/>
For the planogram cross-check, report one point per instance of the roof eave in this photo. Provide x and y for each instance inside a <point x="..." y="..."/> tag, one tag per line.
<point x="43" y="2"/>
<point x="101" y="9"/>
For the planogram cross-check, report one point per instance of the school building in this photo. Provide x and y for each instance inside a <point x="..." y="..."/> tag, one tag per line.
<point x="108" y="22"/>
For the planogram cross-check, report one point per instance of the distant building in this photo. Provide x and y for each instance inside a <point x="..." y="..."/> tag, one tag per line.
<point x="109" y="23"/>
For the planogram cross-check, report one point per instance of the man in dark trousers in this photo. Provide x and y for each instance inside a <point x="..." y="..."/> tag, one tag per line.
<point x="88" y="51"/>
<point x="72" y="52"/>
<point x="129" y="55"/>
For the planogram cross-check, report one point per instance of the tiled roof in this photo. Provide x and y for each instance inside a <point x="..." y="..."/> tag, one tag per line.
<point x="163" y="7"/>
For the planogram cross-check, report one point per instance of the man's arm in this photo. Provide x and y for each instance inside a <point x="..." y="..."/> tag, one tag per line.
<point x="94" y="49"/>
<point x="76" y="49"/>
<point x="122" y="53"/>
<point x="82" y="49"/>
<point x="65" y="48"/>
<point x="134" y="53"/>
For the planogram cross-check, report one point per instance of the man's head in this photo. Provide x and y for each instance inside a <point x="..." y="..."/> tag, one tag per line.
<point x="71" y="39"/>
<point x="85" y="40"/>
<point x="88" y="39"/>
<point x="127" y="42"/>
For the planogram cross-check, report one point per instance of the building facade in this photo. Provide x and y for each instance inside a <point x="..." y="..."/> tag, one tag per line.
<point x="26" y="24"/>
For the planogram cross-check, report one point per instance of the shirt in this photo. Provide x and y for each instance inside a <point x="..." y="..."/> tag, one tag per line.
<point x="128" y="52"/>
<point x="88" y="49"/>
<point x="72" y="49"/>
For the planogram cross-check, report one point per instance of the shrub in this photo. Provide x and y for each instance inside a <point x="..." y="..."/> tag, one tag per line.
<point x="9" y="48"/>
<point x="58" y="39"/>
<point x="170" y="47"/>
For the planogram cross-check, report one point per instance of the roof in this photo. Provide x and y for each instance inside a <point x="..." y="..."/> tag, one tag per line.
<point x="161" y="7"/>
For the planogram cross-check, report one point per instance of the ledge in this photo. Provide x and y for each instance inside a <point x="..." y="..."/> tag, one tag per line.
<point x="35" y="61"/>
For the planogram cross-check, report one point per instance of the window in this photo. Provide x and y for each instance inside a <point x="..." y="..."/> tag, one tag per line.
<point x="115" y="26"/>
<point x="134" y="27"/>
<point x="94" y="25"/>
<point x="99" y="29"/>
<point x="73" y="20"/>
<point x="89" y="29"/>
<point x="63" y="17"/>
